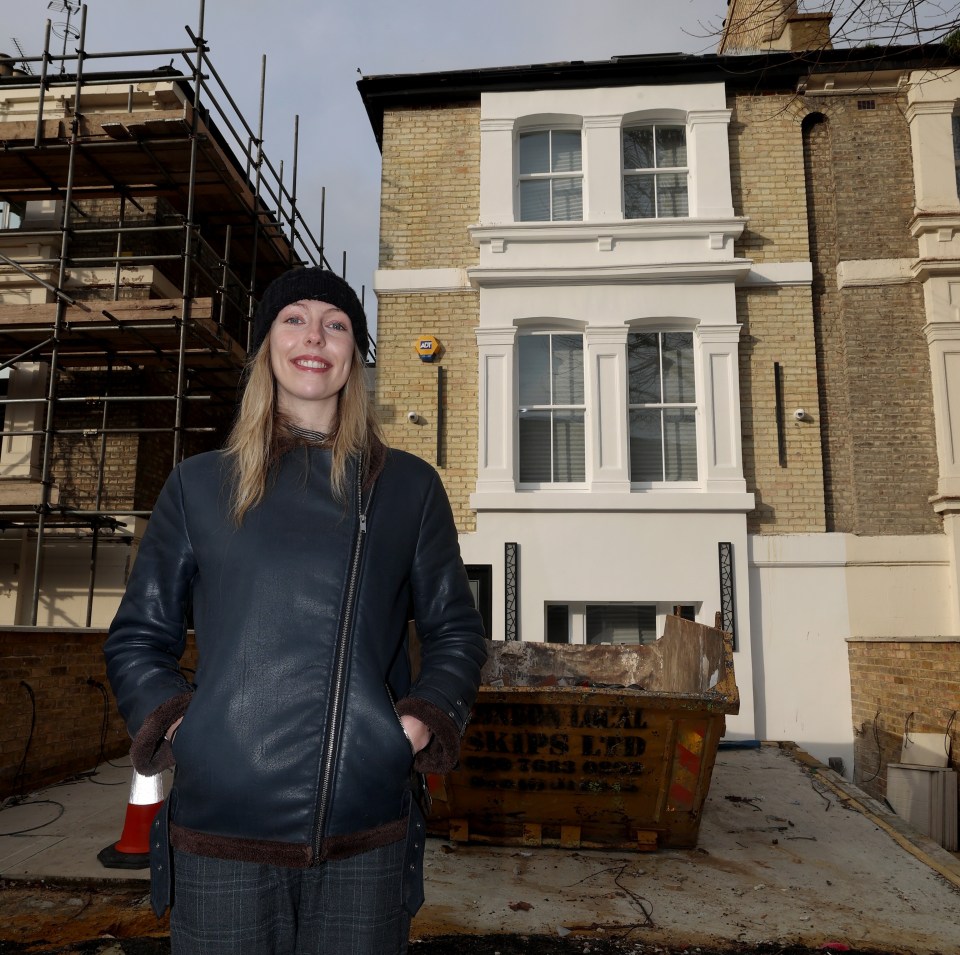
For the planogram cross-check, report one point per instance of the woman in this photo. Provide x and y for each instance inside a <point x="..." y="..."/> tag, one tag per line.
<point x="301" y="551"/>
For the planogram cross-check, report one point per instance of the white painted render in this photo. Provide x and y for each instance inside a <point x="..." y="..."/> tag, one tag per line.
<point x="812" y="592"/>
<point x="619" y="557"/>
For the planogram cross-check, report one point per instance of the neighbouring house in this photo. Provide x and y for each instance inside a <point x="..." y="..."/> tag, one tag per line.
<point x="139" y="220"/>
<point x="699" y="353"/>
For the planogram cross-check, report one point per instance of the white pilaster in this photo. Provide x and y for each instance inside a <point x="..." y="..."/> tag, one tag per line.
<point x="607" y="424"/>
<point x="708" y="154"/>
<point x="496" y="432"/>
<point x="720" y="421"/>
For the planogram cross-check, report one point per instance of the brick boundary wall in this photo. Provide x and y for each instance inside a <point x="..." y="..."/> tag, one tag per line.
<point x="891" y="682"/>
<point x="56" y="665"/>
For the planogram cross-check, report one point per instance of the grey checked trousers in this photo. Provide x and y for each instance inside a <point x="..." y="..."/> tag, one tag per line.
<point x="346" y="907"/>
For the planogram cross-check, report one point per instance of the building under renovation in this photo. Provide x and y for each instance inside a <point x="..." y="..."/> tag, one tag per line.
<point x="140" y="219"/>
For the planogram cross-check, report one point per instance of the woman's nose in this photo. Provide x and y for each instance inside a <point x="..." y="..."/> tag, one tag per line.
<point x="315" y="334"/>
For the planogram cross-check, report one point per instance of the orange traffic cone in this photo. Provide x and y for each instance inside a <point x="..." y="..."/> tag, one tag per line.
<point x="132" y="851"/>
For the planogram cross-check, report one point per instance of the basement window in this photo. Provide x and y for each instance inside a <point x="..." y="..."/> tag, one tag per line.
<point x="617" y="624"/>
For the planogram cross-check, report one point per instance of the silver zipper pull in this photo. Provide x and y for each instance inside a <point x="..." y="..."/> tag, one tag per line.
<point x="363" y="523"/>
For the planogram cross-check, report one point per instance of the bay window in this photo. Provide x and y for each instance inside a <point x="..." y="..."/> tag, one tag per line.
<point x="662" y="407"/>
<point x="655" y="171"/>
<point x="550" y="176"/>
<point x="551" y="408"/>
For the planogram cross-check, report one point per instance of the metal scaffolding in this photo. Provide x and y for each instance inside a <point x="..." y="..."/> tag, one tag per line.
<point x="186" y="195"/>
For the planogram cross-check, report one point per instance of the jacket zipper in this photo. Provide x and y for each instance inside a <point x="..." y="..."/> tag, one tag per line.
<point x="339" y="666"/>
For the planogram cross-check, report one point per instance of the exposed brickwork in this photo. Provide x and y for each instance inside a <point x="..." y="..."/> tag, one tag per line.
<point x="766" y="169"/>
<point x="777" y="328"/>
<point x="430" y="197"/>
<point x="56" y="665"/>
<point x="857" y="356"/>
<point x="404" y="383"/>
<point x="876" y="400"/>
<point x="430" y="186"/>
<point x="897" y="685"/>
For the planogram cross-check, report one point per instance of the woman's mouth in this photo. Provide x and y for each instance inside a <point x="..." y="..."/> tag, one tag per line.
<point x="311" y="364"/>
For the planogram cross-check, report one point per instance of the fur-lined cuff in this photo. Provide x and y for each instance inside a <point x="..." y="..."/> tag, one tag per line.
<point x="442" y="753"/>
<point x="150" y="752"/>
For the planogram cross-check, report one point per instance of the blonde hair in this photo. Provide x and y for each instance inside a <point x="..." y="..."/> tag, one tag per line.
<point x="258" y="439"/>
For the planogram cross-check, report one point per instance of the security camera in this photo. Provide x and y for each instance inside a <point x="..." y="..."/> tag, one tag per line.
<point x="800" y="414"/>
<point x="413" y="417"/>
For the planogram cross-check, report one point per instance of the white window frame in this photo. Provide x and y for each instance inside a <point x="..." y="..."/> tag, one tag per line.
<point x="550" y="332"/>
<point x="655" y="171"/>
<point x="549" y="176"/>
<point x="694" y="406"/>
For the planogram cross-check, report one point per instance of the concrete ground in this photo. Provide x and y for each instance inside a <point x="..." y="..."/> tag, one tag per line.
<point x="788" y="853"/>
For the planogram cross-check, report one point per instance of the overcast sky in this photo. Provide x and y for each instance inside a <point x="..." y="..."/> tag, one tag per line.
<point x="314" y="49"/>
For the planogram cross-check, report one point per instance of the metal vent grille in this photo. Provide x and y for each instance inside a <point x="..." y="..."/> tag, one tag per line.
<point x="866" y="104"/>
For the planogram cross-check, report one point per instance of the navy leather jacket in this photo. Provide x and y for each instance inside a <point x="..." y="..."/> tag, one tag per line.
<point x="291" y="750"/>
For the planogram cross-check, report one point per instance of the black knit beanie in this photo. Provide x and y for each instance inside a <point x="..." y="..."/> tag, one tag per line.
<point x="320" y="285"/>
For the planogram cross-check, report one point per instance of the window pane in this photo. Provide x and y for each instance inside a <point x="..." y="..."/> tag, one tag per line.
<point x="567" y="369"/>
<point x="558" y="623"/>
<point x="533" y="352"/>
<point x="535" y="446"/>
<point x="678" y="378"/>
<point x="643" y="362"/>
<point x="680" y="445"/>
<point x="534" y="152"/>
<point x="638" y="148"/>
<point x="568" y="446"/>
<point x="567" y="200"/>
<point x="638" y="201"/>
<point x="646" y="448"/>
<point x="621" y="623"/>
<point x="535" y="200"/>
<point x="671" y="146"/>
<point x="672" y="194"/>
<point x="566" y="150"/>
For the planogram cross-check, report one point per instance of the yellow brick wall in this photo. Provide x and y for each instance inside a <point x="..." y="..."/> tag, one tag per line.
<point x="404" y="383"/>
<point x="766" y="169"/>
<point x="767" y="173"/>
<point x="430" y="187"/>
<point x="431" y="195"/>
<point x="778" y="328"/>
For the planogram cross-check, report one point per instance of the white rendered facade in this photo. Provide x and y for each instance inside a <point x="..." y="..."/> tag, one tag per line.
<point x="608" y="540"/>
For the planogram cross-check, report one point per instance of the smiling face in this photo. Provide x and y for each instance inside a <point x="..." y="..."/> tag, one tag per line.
<point x="311" y="353"/>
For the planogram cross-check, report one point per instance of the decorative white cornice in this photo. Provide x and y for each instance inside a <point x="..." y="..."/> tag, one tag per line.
<point x="925" y="108"/>
<point x="869" y="273"/>
<point x="606" y="334"/>
<point x="718" y="334"/>
<point x="398" y="281"/>
<point x="948" y="331"/>
<point x="609" y="121"/>
<point x="731" y="270"/>
<point x="924" y="269"/>
<point x="704" y="116"/>
<point x="924" y="223"/>
<point x="779" y="274"/>
<point x="588" y="500"/>
<point x="627" y="229"/>
<point x="494" y="337"/>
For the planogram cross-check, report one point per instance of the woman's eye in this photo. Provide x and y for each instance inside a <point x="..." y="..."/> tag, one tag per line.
<point x="293" y="319"/>
<point x="338" y="326"/>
